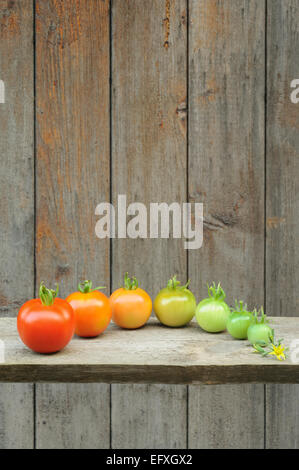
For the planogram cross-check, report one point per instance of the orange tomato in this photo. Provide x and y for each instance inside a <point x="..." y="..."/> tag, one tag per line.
<point x="46" y="325"/>
<point x="131" y="306"/>
<point x="92" y="310"/>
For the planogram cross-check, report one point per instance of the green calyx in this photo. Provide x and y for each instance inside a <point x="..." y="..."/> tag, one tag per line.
<point x="259" y="320"/>
<point x="130" y="283"/>
<point x="174" y="284"/>
<point x="47" y="296"/>
<point x="240" y="307"/>
<point x="216" y="292"/>
<point x="85" y="287"/>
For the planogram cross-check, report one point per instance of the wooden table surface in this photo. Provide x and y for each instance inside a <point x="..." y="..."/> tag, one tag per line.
<point x="152" y="354"/>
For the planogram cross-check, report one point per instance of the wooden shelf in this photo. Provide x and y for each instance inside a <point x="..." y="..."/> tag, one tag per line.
<point x="152" y="354"/>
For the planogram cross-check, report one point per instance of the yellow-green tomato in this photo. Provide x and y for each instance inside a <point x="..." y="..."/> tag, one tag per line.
<point x="175" y="305"/>
<point x="212" y="313"/>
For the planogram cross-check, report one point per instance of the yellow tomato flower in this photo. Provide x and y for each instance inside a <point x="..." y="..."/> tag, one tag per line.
<point x="278" y="351"/>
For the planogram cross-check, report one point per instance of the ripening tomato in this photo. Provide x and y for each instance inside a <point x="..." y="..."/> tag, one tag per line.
<point x="212" y="313"/>
<point x="92" y="310"/>
<point x="47" y="324"/>
<point x="239" y="321"/>
<point x="131" y="306"/>
<point x="175" y="305"/>
<point x="259" y="331"/>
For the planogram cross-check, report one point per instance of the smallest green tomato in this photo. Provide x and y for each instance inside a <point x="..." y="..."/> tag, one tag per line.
<point x="259" y="331"/>
<point x="175" y="305"/>
<point x="239" y="321"/>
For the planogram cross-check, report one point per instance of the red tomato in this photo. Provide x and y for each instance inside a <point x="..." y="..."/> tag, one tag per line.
<point x="131" y="306"/>
<point x="47" y="324"/>
<point x="92" y="310"/>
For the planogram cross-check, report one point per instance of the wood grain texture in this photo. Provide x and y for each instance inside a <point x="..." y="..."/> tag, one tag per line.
<point x="17" y="199"/>
<point x="149" y="89"/>
<point x="16" y="416"/>
<point x="153" y="354"/>
<point x="72" y="96"/>
<point x="17" y="155"/>
<point x="72" y="416"/>
<point x="282" y="254"/>
<point x="162" y="428"/>
<point x="221" y="409"/>
<point x="226" y="167"/>
<point x="72" y="87"/>
<point x="282" y="417"/>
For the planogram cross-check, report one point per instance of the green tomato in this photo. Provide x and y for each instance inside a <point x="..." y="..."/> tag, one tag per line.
<point x="212" y="313"/>
<point x="175" y="305"/>
<point x="258" y="334"/>
<point x="239" y="321"/>
<point x="259" y="331"/>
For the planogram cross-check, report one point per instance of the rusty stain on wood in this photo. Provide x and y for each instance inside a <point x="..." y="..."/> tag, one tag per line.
<point x="167" y="24"/>
<point x="275" y="222"/>
<point x="9" y="21"/>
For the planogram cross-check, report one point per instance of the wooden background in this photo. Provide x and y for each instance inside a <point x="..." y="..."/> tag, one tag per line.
<point x="169" y="100"/>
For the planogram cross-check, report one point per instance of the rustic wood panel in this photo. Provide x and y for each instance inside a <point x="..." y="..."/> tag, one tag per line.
<point x="163" y="427"/>
<point x="226" y="173"/>
<point x="227" y="417"/>
<point x="72" y="96"/>
<point x="17" y="155"/>
<point x="152" y="357"/>
<point x="16" y="416"/>
<point x="17" y="199"/>
<point x="75" y="416"/>
<point x="282" y="267"/>
<point x="149" y="68"/>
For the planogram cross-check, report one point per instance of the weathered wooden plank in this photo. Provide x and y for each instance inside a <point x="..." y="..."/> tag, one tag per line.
<point x="17" y="199"/>
<point x="156" y="355"/>
<point x="149" y="44"/>
<point x="17" y="158"/>
<point x="226" y="173"/>
<point x="72" y="86"/>
<point x="282" y="416"/>
<point x="221" y="409"/>
<point x="159" y="429"/>
<point x="282" y="268"/>
<point x="69" y="417"/>
<point x="16" y="416"/>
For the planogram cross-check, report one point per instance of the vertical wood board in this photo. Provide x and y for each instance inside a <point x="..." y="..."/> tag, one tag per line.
<point x="17" y="200"/>
<point x="226" y="174"/>
<point x="72" y="87"/>
<point x="282" y="209"/>
<point x="73" y="416"/>
<point x="149" y="89"/>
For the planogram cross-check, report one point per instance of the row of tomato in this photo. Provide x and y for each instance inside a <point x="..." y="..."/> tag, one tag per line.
<point x="47" y="324"/>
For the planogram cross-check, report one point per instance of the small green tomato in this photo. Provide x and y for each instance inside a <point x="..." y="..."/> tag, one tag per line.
<point x="239" y="321"/>
<point x="259" y="331"/>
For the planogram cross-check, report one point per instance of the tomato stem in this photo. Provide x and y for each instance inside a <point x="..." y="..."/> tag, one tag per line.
<point x="263" y="319"/>
<point x="174" y="284"/>
<point x="85" y="287"/>
<point x="130" y="284"/>
<point x="47" y="296"/>
<point x="216" y="292"/>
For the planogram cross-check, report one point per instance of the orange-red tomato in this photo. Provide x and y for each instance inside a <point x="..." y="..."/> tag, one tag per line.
<point x="92" y="310"/>
<point x="47" y="324"/>
<point x="131" y="306"/>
